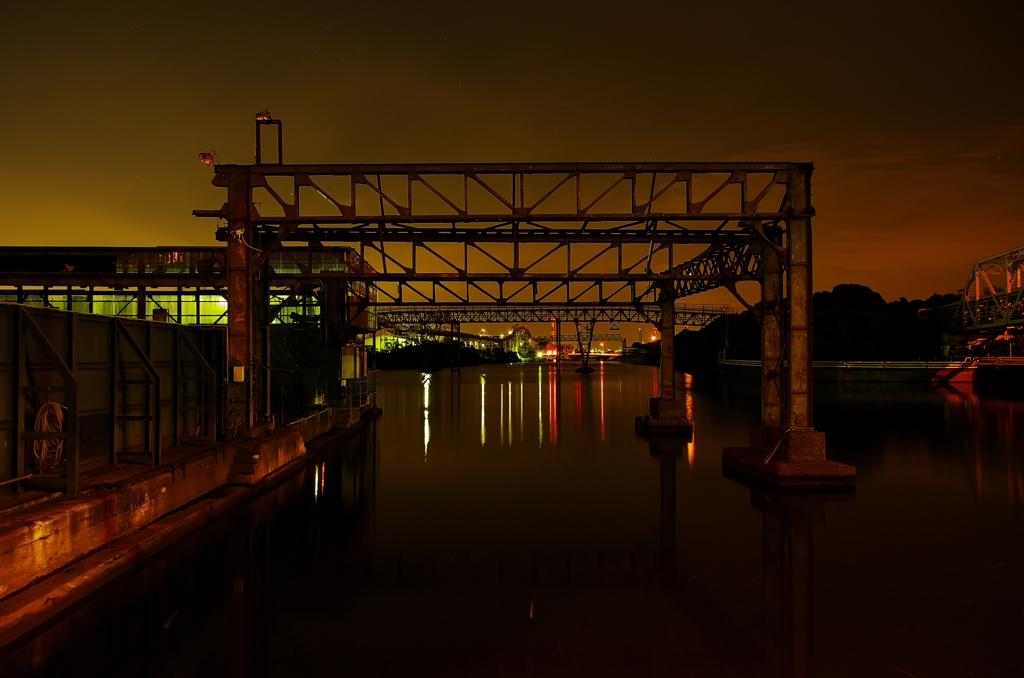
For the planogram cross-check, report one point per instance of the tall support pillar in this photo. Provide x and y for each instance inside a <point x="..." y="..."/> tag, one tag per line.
<point x="799" y="405"/>
<point x="241" y="412"/>
<point x="667" y="414"/>
<point x="333" y="322"/>
<point x="785" y="449"/>
<point x="772" y="333"/>
<point x="667" y="327"/>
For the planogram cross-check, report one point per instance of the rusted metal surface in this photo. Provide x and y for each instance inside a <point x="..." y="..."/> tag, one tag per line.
<point x="799" y="285"/>
<point x="600" y="225"/>
<point x="668" y="348"/>
<point x="772" y="315"/>
<point x="241" y="408"/>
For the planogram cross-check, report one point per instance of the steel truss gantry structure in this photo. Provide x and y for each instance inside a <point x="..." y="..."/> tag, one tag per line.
<point x="993" y="296"/>
<point x="526" y="233"/>
<point x="567" y="233"/>
<point x="689" y="315"/>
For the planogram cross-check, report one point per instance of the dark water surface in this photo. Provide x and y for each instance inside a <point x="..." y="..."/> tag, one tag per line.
<point x="491" y="524"/>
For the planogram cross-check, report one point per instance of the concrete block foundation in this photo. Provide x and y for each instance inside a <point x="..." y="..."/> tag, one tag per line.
<point x="666" y="417"/>
<point x="788" y="458"/>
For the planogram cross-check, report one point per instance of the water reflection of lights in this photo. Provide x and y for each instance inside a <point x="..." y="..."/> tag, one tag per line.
<point x="991" y="447"/>
<point x="579" y="404"/>
<point x="483" y="410"/>
<point x="602" y="401"/>
<point x="540" y="407"/>
<point x="521" y="424"/>
<point x="319" y="480"/>
<point x="691" y="453"/>
<point x="426" y="414"/>
<point x="510" y="414"/>
<point x="553" y="405"/>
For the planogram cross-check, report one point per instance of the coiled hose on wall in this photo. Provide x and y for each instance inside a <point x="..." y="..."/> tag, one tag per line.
<point x="49" y="451"/>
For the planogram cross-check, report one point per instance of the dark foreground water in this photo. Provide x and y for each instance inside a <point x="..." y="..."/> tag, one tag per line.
<point x="491" y="524"/>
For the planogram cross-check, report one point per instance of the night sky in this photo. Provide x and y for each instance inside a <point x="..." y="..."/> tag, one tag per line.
<point x="911" y="112"/>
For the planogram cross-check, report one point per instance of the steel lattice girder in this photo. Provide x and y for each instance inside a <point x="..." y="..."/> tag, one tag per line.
<point x="406" y="314"/>
<point x="455" y="226"/>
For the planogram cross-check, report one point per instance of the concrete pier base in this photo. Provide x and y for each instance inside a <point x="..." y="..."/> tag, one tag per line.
<point x="665" y="417"/>
<point x="788" y="458"/>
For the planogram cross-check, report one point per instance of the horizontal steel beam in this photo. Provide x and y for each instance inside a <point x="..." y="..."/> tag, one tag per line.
<point x="582" y="233"/>
<point x="526" y="195"/>
<point x="511" y="168"/>
<point x="686" y="315"/>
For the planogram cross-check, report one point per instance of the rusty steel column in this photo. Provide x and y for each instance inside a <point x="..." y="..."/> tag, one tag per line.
<point x="333" y="321"/>
<point x="666" y="414"/>
<point x="800" y="288"/>
<point x="772" y="329"/>
<point x="667" y="325"/>
<point x="241" y="412"/>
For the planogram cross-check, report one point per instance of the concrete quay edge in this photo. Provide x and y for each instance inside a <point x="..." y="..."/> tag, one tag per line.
<point x="69" y="583"/>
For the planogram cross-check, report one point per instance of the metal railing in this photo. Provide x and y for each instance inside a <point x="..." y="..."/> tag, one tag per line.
<point x="360" y="394"/>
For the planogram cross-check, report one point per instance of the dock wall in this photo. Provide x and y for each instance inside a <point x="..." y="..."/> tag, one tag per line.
<point x="38" y="540"/>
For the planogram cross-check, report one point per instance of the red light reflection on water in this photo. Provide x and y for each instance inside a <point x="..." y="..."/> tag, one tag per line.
<point x="994" y="450"/>
<point x="579" y="404"/>
<point x="553" y="405"/>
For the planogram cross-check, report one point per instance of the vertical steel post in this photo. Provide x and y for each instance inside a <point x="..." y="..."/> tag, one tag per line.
<point x="332" y="323"/>
<point x="558" y="345"/>
<point x="240" y="323"/>
<point x="800" y="288"/>
<point x="667" y="325"/>
<point x="20" y="370"/>
<point x="140" y="304"/>
<point x="71" y="448"/>
<point x="772" y="323"/>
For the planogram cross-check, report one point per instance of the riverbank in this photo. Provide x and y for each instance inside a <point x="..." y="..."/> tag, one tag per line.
<point x="56" y="552"/>
<point x="983" y="370"/>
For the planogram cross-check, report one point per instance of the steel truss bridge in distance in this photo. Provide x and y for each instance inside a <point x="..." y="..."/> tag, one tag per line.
<point x="992" y="298"/>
